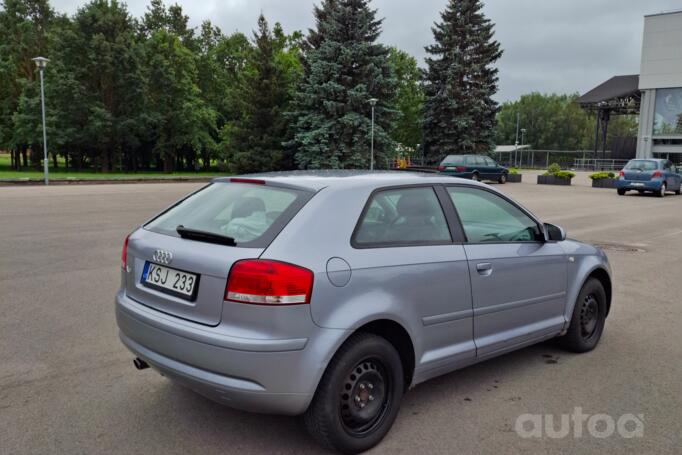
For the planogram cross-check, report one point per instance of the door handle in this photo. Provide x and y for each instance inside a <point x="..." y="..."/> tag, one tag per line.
<point x="484" y="268"/>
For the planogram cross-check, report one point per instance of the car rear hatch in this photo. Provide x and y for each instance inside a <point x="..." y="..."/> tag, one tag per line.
<point x="640" y="170"/>
<point x="206" y="265"/>
<point x="636" y="175"/>
<point x="179" y="262"/>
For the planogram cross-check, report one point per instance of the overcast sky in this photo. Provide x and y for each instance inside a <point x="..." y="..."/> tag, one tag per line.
<point x="549" y="45"/>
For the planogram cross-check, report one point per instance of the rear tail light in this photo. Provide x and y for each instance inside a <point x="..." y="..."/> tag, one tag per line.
<point x="265" y="282"/>
<point x="656" y="174"/>
<point x="441" y="168"/>
<point x="124" y="253"/>
<point x="622" y="173"/>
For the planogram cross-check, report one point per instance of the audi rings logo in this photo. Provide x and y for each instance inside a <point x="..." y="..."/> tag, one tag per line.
<point x="162" y="257"/>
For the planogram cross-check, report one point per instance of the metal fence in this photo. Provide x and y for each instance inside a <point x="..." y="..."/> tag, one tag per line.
<point x="585" y="160"/>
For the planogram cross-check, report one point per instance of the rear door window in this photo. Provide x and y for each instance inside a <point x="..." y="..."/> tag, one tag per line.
<point x="402" y="217"/>
<point x="252" y="214"/>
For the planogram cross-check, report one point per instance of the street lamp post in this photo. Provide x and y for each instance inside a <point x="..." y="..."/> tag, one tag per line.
<point x="523" y="137"/>
<point x="41" y="63"/>
<point x="373" y="103"/>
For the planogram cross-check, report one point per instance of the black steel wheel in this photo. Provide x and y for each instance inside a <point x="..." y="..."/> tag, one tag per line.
<point x="359" y="395"/>
<point x="364" y="397"/>
<point x="588" y="319"/>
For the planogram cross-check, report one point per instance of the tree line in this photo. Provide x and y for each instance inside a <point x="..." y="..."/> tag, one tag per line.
<point x="154" y="93"/>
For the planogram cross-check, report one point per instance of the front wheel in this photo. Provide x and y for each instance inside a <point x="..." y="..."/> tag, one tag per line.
<point x="358" y="397"/>
<point x="502" y="179"/>
<point x="621" y="192"/>
<point x="589" y="316"/>
<point x="662" y="190"/>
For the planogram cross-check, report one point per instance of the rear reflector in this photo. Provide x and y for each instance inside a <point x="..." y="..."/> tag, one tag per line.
<point x="622" y="173"/>
<point x="265" y="282"/>
<point x="124" y="253"/>
<point x="441" y="168"/>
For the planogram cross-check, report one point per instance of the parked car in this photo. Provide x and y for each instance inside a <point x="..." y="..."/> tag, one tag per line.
<point x="474" y="167"/>
<point x="649" y="175"/>
<point x="330" y="294"/>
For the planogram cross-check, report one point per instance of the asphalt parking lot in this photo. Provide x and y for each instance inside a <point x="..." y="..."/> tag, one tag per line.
<point x="67" y="385"/>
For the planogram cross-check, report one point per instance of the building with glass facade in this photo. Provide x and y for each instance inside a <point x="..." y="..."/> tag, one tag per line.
<point x="660" y="85"/>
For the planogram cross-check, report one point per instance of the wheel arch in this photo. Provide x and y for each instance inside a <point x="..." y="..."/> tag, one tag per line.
<point x="604" y="278"/>
<point x="401" y="340"/>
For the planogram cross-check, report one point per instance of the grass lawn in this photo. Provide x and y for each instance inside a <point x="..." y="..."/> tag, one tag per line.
<point x="62" y="174"/>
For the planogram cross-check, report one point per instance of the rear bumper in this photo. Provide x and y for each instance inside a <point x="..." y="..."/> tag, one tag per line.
<point x="643" y="185"/>
<point x="259" y="375"/>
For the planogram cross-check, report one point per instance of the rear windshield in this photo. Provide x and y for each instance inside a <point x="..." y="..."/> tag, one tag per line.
<point x="642" y="165"/>
<point x="251" y="214"/>
<point x="452" y="160"/>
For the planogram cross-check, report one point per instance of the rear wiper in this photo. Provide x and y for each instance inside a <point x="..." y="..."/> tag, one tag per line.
<point x="204" y="236"/>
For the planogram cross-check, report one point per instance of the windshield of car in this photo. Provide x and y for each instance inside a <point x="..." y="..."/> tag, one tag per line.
<point x="642" y="165"/>
<point x="244" y="212"/>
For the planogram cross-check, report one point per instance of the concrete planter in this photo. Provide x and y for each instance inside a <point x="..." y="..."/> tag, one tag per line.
<point x="604" y="183"/>
<point x="514" y="178"/>
<point x="552" y="180"/>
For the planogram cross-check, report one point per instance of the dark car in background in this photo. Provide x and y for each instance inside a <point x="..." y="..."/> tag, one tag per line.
<point x="649" y="175"/>
<point x="474" y="167"/>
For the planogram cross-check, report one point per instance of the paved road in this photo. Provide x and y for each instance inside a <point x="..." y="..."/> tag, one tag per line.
<point x="68" y="386"/>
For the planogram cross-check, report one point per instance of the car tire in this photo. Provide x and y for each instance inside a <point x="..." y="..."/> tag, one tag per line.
<point x="503" y="179"/>
<point x="678" y="191"/>
<point x="475" y="177"/>
<point x="662" y="190"/>
<point x="346" y="414"/>
<point x="589" y="316"/>
<point x="621" y="192"/>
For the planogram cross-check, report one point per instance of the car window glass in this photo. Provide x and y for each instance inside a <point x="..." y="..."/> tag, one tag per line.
<point x="402" y="216"/>
<point x="487" y="217"/>
<point x="452" y="160"/>
<point x="241" y="211"/>
<point x="489" y="162"/>
<point x="642" y="165"/>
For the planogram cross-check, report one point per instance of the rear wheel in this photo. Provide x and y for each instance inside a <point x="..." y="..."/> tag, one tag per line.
<point x="475" y="177"/>
<point x="358" y="397"/>
<point x="662" y="190"/>
<point x="621" y="192"/>
<point x="502" y="179"/>
<point x="589" y="316"/>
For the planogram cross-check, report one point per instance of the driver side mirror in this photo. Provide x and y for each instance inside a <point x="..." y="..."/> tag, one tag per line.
<point x="554" y="233"/>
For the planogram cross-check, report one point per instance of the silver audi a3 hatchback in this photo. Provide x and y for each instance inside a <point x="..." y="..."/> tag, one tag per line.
<point x="330" y="294"/>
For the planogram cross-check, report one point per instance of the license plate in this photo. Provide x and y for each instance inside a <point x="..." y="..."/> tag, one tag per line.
<point x="637" y="184"/>
<point x="171" y="281"/>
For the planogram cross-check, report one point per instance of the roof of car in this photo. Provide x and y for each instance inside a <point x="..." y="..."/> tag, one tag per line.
<point x="319" y="179"/>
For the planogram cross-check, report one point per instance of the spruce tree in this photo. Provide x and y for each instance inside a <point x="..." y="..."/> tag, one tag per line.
<point x="254" y="142"/>
<point x="459" y="112"/>
<point x="344" y="68"/>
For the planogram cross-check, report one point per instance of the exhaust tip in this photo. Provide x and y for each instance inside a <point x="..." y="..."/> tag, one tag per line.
<point x="140" y="364"/>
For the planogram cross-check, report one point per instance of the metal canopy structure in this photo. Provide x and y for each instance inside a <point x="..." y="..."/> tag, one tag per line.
<point x="619" y="95"/>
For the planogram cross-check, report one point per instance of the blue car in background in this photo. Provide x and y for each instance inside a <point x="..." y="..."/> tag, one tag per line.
<point x="649" y="175"/>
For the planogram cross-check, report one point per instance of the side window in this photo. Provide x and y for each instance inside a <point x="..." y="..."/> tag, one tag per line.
<point x="487" y="217"/>
<point x="668" y="165"/>
<point x="489" y="162"/>
<point x="403" y="216"/>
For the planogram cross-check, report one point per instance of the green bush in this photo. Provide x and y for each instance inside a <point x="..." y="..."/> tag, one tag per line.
<point x="564" y="175"/>
<point x="602" y="175"/>
<point x="555" y="170"/>
<point x="513" y="171"/>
